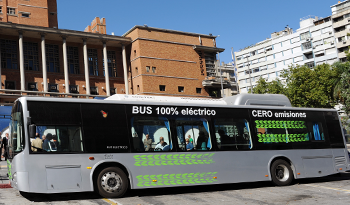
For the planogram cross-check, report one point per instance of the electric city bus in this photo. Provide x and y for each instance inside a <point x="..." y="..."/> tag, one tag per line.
<point x="138" y="142"/>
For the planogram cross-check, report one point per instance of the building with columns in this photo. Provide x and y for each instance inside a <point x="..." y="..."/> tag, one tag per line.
<point x="37" y="58"/>
<point x="56" y="62"/>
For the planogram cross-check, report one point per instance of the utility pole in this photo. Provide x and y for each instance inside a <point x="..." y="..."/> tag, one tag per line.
<point x="250" y="78"/>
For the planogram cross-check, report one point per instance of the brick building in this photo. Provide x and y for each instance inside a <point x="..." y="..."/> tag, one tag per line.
<point x="97" y="26"/>
<point x="168" y="62"/>
<point x="43" y="60"/>
<point x="35" y="12"/>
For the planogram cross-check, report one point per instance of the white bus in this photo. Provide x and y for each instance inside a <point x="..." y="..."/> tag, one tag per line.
<point x="138" y="142"/>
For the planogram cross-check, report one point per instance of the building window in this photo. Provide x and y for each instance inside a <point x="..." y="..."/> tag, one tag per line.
<point x="136" y="70"/>
<point x="304" y="36"/>
<point x="26" y="15"/>
<point x="93" y="90"/>
<point x="0" y="9"/>
<point x="161" y="87"/>
<point x="112" y="91"/>
<point x="73" y="59"/>
<point x="53" y="87"/>
<point x="112" y="65"/>
<point x="198" y="90"/>
<point x="154" y="69"/>
<point x="147" y="69"/>
<point x="306" y="45"/>
<point x="11" y="11"/>
<point x="181" y="89"/>
<point x="32" y="86"/>
<point x="8" y="54"/>
<point x="135" y="53"/>
<point x="11" y="85"/>
<point x="310" y="64"/>
<point x="52" y="58"/>
<point x="30" y="51"/>
<point x="73" y="89"/>
<point x="93" y="62"/>
<point x="210" y="59"/>
<point x="138" y="88"/>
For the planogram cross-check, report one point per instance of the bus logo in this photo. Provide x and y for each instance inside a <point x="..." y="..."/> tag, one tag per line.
<point x="104" y="114"/>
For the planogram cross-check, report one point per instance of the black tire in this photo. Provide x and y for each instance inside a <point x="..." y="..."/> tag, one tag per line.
<point x="281" y="173"/>
<point x="112" y="182"/>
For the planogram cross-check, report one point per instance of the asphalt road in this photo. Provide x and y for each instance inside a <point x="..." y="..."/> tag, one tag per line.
<point x="326" y="190"/>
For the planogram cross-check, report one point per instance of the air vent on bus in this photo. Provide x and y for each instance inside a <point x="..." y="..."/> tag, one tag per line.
<point x="259" y="99"/>
<point x="339" y="161"/>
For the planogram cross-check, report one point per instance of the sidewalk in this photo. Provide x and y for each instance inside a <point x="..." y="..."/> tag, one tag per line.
<point x="4" y="180"/>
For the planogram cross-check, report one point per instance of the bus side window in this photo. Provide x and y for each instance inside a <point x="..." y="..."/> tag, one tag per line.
<point x="232" y="134"/>
<point x="151" y="134"/>
<point x="60" y="139"/>
<point x="193" y="134"/>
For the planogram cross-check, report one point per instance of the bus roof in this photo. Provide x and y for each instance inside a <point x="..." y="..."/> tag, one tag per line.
<point x="241" y="99"/>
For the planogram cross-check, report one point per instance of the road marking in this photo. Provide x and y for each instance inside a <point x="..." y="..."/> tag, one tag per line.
<point x="112" y="202"/>
<point x="324" y="187"/>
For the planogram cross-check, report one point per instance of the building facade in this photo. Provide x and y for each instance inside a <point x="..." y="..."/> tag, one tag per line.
<point x="56" y="62"/>
<point x="39" y="59"/>
<point x="37" y="13"/>
<point x="341" y="26"/>
<point x="173" y="63"/>
<point x="97" y="26"/>
<point x="312" y="44"/>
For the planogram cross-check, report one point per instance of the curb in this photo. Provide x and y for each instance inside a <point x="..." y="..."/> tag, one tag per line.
<point x="5" y="186"/>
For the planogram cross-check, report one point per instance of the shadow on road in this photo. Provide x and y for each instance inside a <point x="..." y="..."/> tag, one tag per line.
<point x="176" y="190"/>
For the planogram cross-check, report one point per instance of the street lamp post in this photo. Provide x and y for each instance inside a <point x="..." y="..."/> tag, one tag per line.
<point x="250" y="77"/>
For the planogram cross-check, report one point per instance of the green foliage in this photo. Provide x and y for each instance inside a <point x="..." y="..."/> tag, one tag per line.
<point x="307" y="87"/>
<point x="274" y="87"/>
<point x="344" y="122"/>
<point x="345" y="90"/>
<point x="303" y="86"/>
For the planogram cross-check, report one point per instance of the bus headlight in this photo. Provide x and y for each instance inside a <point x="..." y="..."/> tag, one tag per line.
<point x="14" y="177"/>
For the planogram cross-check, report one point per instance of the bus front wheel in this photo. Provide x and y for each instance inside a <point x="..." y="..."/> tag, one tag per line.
<point x="281" y="173"/>
<point x="112" y="182"/>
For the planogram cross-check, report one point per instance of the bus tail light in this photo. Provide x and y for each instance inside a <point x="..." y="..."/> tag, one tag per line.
<point x="266" y="175"/>
<point x="214" y="177"/>
<point x="91" y="158"/>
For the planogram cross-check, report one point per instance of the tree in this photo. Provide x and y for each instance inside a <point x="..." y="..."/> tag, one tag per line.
<point x="307" y="87"/>
<point x="274" y="87"/>
<point x="303" y="86"/>
<point x="338" y="86"/>
<point x="345" y="90"/>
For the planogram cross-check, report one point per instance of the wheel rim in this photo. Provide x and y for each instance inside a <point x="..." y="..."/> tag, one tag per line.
<point x="111" y="182"/>
<point x="282" y="173"/>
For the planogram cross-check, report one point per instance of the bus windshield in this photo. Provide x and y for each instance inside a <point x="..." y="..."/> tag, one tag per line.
<point x="16" y="141"/>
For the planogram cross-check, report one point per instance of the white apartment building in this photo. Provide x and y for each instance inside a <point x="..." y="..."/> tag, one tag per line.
<point x="341" y="26"/>
<point x="312" y="44"/>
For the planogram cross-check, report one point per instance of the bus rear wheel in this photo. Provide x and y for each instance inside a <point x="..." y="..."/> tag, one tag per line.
<point x="112" y="182"/>
<point x="281" y="173"/>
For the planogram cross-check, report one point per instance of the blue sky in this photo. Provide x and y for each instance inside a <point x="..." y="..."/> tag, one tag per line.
<point x="239" y="23"/>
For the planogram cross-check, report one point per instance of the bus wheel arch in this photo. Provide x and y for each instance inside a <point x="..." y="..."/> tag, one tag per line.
<point x="115" y="168"/>
<point x="282" y="171"/>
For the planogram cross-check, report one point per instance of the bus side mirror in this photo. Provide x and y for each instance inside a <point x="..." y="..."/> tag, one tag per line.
<point x="32" y="131"/>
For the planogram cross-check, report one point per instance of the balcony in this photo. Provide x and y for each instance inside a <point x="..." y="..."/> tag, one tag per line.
<point x="215" y="82"/>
